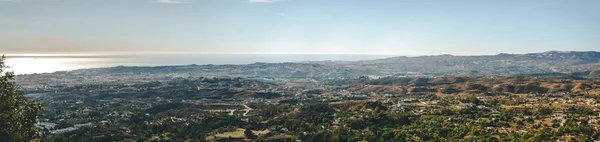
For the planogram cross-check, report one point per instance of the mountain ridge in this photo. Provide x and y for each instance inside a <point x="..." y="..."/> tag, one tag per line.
<point x="553" y="63"/>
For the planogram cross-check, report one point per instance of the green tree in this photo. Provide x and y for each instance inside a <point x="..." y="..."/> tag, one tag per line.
<point x="17" y="114"/>
<point x="249" y="134"/>
<point x="542" y="111"/>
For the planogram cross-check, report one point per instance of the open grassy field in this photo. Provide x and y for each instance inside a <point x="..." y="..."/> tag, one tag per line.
<point x="238" y="134"/>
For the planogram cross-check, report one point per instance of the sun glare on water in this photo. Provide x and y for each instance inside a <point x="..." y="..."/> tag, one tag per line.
<point x="30" y="65"/>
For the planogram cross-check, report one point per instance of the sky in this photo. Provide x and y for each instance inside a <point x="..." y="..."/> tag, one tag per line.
<point x="386" y="27"/>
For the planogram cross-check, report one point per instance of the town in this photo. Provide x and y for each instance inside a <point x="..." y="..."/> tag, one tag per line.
<point x="366" y="108"/>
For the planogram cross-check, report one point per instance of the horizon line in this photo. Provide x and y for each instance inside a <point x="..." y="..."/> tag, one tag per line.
<point x="197" y="53"/>
<point x="250" y="53"/>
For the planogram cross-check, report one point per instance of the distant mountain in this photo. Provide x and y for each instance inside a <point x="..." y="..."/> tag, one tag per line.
<point x="441" y="65"/>
<point x="595" y="73"/>
<point x="553" y="63"/>
<point x="501" y="64"/>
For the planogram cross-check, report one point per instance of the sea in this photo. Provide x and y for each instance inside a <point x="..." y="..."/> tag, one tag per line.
<point x="33" y="64"/>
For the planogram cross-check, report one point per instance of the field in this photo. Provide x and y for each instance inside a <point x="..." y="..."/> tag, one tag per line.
<point x="238" y="134"/>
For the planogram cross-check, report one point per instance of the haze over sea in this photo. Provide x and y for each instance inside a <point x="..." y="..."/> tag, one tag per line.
<point x="47" y="64"/>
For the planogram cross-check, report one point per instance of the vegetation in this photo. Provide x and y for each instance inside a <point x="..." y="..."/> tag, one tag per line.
<point x="18" y="115"/>
<point x="317" y="101"/>
<point x="393" y="109"/>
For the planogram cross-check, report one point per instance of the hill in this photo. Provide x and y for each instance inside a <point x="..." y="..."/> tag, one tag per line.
<point x="500" y="65"/>
<point x="553" y="63"/>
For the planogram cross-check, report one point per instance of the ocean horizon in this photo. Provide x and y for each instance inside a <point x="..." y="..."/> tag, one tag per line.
<point x="32" y="64"/>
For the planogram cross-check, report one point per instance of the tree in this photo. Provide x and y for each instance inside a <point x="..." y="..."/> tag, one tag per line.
<point x="249" y="134"/>
<point x="17" y="114"/>
<point x="542" y="111"/>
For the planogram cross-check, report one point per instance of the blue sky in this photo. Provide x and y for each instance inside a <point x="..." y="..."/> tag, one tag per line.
<point x="399" y="27"/>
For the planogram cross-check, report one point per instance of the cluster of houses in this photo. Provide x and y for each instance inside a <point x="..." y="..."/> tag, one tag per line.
<point x="71" y="129"/>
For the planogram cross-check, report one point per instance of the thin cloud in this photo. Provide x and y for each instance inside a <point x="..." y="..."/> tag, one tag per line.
<point x="171" y="1"/>
<point x="263" y="1"/>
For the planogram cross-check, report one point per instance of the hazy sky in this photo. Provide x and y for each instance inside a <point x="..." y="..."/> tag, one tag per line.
<point x="464" y="27"/>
